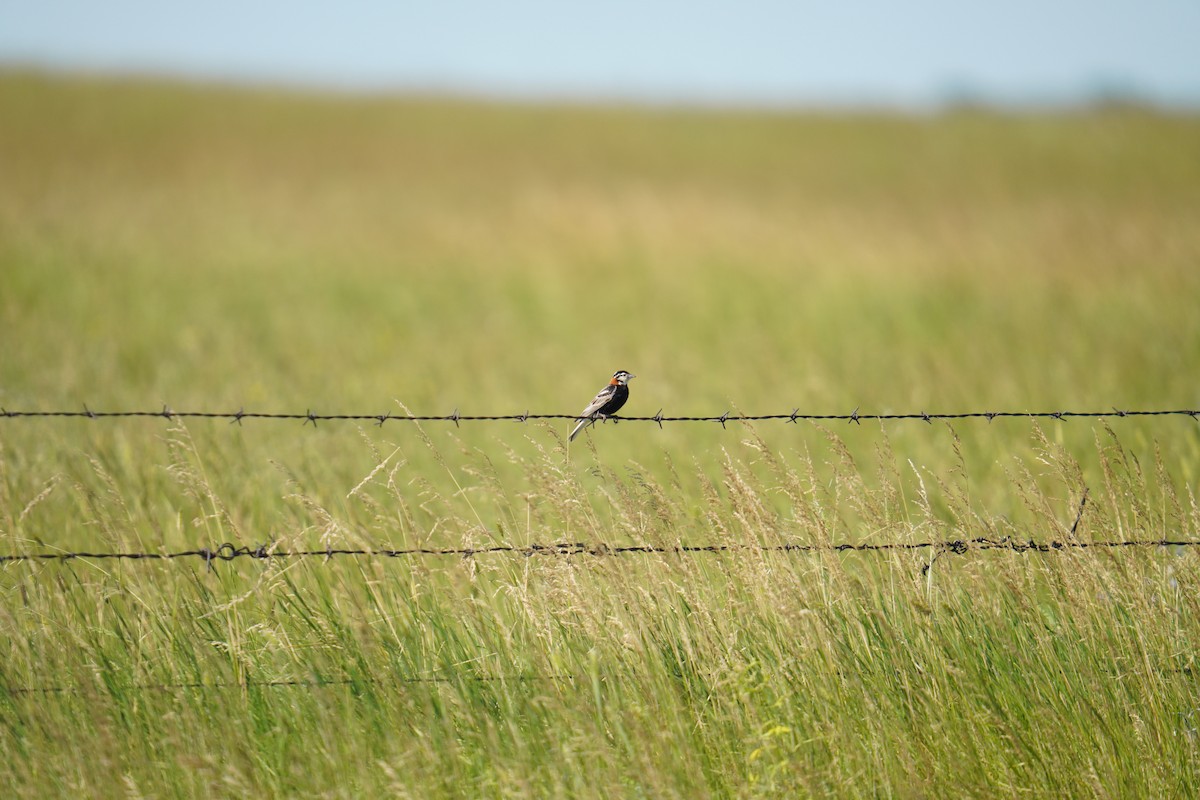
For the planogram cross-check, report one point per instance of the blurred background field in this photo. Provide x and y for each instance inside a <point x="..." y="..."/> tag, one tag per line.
<point x="211" y="248"/>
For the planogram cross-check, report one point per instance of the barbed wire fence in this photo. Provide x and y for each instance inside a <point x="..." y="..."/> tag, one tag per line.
<point x="228" y="551"/>
<point x="855" y="416"/>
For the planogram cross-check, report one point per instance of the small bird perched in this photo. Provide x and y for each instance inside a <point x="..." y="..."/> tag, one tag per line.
<point x="606" y="403"/>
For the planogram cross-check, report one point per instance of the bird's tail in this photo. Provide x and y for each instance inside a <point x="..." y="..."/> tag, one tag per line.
<point x="583" y="423"/>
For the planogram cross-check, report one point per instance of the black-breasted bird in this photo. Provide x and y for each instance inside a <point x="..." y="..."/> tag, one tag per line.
<point x="606" y="403"/>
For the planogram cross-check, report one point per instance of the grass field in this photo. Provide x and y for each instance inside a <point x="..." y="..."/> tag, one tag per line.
<point x="213" y="249"/>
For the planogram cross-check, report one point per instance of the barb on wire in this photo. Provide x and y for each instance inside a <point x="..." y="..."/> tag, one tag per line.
<point x="229" y="551"/>
<point x="855" y="416"/>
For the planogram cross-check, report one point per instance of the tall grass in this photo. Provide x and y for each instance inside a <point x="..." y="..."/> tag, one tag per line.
<point x="728" y="674"/>
<point x="215" y="249"/>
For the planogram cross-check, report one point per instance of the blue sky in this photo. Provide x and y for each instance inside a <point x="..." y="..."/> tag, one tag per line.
<point x="754" y="52"/>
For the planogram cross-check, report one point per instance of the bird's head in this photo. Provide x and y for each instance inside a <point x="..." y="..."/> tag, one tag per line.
<point x="621" y="377"/>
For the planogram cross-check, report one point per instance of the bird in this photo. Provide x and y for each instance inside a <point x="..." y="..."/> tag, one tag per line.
<point x="606" y="403"/>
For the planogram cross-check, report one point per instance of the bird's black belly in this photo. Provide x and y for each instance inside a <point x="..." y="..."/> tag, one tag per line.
<point x="619" y="396"/>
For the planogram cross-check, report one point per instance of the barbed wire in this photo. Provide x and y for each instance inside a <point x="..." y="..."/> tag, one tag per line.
<point x="794" y="415"/>
<point x="229" y="552"/>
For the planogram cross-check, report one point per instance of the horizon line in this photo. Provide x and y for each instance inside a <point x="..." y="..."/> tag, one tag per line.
<point x="954" y="96"/>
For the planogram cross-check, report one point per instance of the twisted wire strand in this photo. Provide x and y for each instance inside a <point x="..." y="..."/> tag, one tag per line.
<point x="794" y="415"/>
<point x="230" y="552"/>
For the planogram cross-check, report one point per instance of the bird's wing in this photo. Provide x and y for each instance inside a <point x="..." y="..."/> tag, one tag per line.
<point x="597" y="402"/>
